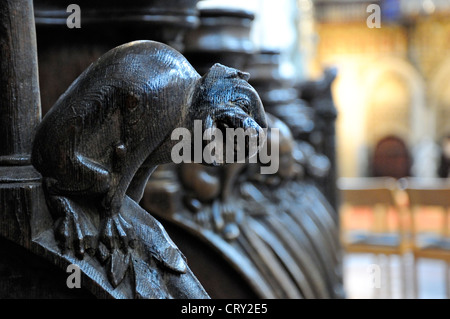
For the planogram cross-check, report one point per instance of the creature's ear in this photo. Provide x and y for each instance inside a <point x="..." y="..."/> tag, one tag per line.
<point x="221" y="71"/>
<point x="243" y="75"/>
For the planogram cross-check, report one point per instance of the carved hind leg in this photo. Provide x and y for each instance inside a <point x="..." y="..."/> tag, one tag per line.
<point x="73" y="229"/>
<point x="137" y="186"/>
<point x="116" y="229"/>
<point x="115" y="232"/>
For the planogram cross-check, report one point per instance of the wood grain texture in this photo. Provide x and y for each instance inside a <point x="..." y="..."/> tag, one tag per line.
<point x="24" y="275"/>
<point x="20" y="102"/>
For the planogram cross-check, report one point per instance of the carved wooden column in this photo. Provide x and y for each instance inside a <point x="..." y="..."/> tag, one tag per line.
<point x="19" y="117"/>
<point x="24" y="274"/>
<point x="318" y="94"/>
<point x="20" y="103"/>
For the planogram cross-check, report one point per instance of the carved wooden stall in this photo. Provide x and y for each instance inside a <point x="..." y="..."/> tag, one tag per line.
<point x="70" y="185"/>
<point x="247" y="234"/>
<point x="311" y="123"/>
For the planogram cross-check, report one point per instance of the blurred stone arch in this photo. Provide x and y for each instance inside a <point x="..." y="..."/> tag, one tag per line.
<point x="440" y="99"/>
<point x="394" y="101"/>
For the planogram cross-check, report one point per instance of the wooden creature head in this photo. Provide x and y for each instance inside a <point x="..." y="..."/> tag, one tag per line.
<point x="225" y="99"/>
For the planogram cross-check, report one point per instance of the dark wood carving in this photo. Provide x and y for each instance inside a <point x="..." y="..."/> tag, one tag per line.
<point x="94" y="152"/>
<point x="19" y="117"/>
<point x="277" y="233"/>
<point x="70" y="187"/>
<point x="222" y="35"/>
<point x="280" y="98"/>
<point x="20" y="87"/>
<point x="104" y="137"/>
<point x="300" y="217"/>
<point x="21" y="197"/>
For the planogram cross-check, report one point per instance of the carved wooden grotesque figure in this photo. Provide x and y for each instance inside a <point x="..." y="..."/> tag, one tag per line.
<point x="109" y="131"/>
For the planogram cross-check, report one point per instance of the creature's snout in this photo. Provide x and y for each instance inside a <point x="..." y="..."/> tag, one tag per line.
<point x="257" y="119"/>
<point x="248" y="133"/>
<point x="257" y="136"/>
<point x="259" y="115"/>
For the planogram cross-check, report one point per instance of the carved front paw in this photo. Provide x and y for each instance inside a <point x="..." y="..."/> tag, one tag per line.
<point x="116" y="237"/>
<point x="116" y="233"/>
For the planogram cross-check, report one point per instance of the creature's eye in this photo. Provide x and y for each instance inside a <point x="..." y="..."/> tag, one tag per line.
<point x="242" y="103"/>
<point x="132" y="102"/>
<point x="133" y="110"/>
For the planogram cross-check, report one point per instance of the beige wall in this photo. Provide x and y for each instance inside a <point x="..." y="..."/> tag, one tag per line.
<point x="391" y="81"/>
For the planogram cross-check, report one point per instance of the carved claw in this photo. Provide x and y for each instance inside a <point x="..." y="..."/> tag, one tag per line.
<point x="117" y="267"/>
<point x="117" y="233"/>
